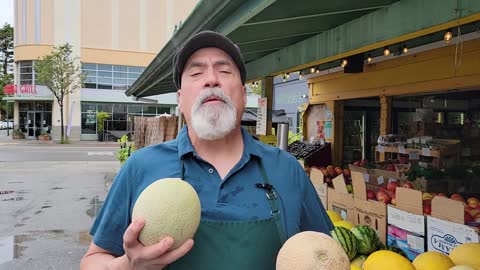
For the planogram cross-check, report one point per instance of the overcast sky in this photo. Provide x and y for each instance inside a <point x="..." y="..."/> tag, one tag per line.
<point x="6" y="12"/>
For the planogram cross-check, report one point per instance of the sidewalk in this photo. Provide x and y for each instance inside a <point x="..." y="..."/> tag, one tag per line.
<point x="4" y="139"/>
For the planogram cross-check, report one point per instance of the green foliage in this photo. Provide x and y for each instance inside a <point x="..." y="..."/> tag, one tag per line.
<point x="60" y="71"/>
<point x="101" y="116"/>
<point x="17" y="131"/>
<point x="6" y="63"/>
<point x="126" y="149"/>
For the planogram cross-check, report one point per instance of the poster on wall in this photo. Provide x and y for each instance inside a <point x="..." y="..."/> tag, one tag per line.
<point x="324" y="130"/>
<point x="262" y="116"/>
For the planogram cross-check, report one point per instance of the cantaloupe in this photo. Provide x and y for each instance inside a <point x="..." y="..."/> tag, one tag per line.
<point x="463" y="267"/>
<point x="433" y="260"/>
<point x="466" y="254"/>
<point x="386" y="259"/>
<point x="312" y="251"/>
<point x="170" y="207"/>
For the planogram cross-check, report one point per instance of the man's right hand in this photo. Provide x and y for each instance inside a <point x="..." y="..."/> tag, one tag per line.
<point x="155" y="256"/>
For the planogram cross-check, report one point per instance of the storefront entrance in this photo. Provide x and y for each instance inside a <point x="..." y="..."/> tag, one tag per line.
<point x="35" y="118"/>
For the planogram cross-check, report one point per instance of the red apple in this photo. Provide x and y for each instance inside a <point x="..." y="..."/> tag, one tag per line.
<point x="392" y="186"/>
<point x="371" y="195"/>
<point x="328" y="180"/>
<point x="347" y="172"/>
<point x="338" y="170"/>
<point x="473" y="212"/>
<point x="441" y="195"/>
<point x="383" y="197"/>
<point x="457" y="197"/>
<point x="427" y="202"/>
<point x="468" y="217"/>
<point x="390" y="193"/>
<point x="408" y="184"/>
<point x="323" y="170"/>
<point x="427" y="209"/>
<point x="473" y="202"/>
<point x="382" y="189"/>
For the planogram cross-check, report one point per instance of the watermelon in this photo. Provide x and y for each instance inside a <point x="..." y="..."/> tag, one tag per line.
<point x="396" y="250"/>
<point x="367" y="239"/>
<point x="347" y="240"/>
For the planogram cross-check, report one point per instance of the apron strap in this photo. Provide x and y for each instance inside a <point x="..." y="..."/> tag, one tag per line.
<point x="272" y="199"/>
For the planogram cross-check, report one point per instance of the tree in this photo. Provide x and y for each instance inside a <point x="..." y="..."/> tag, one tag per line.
<point x="6" y="60"/>
<point x="60" y="71"/>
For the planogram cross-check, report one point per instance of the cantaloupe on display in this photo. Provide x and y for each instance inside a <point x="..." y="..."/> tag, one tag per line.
<point x="170" y="207"/>
<point x="466" y="254"/>
<point x="386" y="259"/>
<point x="463" y="267"/>
<point x="433" y="260"/>
<point x="334" y="216"/>
<point x="312" y="251"/>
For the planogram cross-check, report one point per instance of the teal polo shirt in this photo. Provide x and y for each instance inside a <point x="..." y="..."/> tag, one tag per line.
<point x="236" y="198"/>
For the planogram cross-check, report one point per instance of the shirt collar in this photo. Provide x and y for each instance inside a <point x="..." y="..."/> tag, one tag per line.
<point x="185" y="145"/>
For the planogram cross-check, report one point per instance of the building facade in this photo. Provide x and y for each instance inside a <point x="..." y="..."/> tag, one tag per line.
<point x="114" y="39"/>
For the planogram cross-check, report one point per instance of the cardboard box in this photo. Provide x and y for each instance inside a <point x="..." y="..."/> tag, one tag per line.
<point x="445" y="226"/>
<point x="368" y="212"/>
<point x="406" y="223"/>
<point x="316" y="176"/>
<point x="339" y="200"/>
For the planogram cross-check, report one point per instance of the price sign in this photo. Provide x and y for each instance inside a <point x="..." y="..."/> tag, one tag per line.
<point x="426" y="152"/>
<point x="380" y="180"/>
<point x="381" y="148"/>
<point x="401" y="149"/>
<point x="413" y="155"/>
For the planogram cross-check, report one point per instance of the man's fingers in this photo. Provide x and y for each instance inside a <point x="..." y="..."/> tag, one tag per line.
<point x="131" y="234"/>
<point x="177" y="253"/>
<point x="154" y="251"/>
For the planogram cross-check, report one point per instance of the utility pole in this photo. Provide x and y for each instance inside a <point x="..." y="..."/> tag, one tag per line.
<point x="8" y="123"/>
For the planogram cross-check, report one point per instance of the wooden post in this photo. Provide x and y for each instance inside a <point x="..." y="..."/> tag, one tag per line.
<point x="385" y="120"/>
<point x="267" y="91"/>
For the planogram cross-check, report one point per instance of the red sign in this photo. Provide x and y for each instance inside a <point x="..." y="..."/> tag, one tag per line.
<point x="25" y="89"/>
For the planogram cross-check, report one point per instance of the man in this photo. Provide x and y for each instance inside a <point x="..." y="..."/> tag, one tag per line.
<point x="253" y="196"/>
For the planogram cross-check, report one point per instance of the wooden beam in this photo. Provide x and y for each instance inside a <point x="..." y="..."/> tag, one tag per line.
<point x="385" y="119"/>
<point x="267" y="91"/>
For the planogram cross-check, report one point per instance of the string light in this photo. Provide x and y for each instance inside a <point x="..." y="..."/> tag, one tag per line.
<point x="312" y="70"/>
<point x="288" y="75"/>
<point x="448" y="36"/>
<point x="386" y="51"/>
<point x="369" y="59"/>
<point x="300" y="77"/>
<point x="344" y="63"/>
<point x="284" y="78"/>
<point x="405" y="50"/>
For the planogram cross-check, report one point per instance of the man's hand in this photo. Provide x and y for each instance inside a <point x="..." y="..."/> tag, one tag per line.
<point x="155" y="256"/>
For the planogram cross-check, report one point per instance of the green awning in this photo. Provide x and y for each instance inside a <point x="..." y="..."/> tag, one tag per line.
<point x="278" y="36"/>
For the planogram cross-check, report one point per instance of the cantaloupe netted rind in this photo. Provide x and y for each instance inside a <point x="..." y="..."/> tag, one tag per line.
<point x="312" y="251"/>
<point x="170" y="207"/>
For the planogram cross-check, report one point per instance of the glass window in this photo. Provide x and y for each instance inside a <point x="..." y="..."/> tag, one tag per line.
<point x="120" y="81"/>
<point x="23" y="106"/>
<point x="92" y="73"/>
<point x="91" y="80"/>
<point x="105" y="81"/>
<point x="149" y="109"/>
<point x="102" y="74"/>
<point x="105" y="67"/>
<point x="119" y="116"/>
<point x="104" y="107"/>
<point x="104" y="86"/>
<point x="135" y="69"/>
<point x="120" y="75"/>
<point x="120" y="68"/>
<point x="133" y="75"/>
<point x="119" y="108"/>
<point x="91" y="85"/>
<point x="48" y="106"/>
<point x="89" y="123"/>
<point x="162" y="110"/>
<point x="89" y="107"/>
<point x="119" y="87"/>
<point x="134" y="108"/>
<point x="89" y="66"/>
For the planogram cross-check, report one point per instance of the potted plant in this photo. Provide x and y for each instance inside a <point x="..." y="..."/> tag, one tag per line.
<point x="18" y="134"/>
<point x="44" y="136"/>
<point x="101" y="116"/>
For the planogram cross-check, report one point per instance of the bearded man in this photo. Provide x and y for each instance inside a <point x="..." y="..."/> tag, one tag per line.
<point x="253" y="196"/>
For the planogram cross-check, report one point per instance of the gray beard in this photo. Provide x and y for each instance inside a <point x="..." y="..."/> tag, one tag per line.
<point x="213" y="121"/>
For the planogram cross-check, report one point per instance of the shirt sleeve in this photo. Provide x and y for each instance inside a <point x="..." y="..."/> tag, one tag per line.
<point x="114" y="216"/>
<point x="314" y="217"/>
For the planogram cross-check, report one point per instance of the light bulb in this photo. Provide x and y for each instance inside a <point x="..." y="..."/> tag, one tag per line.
<point x="386" y="52"/>
<point x="369" y="59"/>
<point x="405" y="49"/>
<point x="344" y="62"/>
<point x="288" y="75"/>
<point x="448" y="36"/>
<point x="312" y="70"/>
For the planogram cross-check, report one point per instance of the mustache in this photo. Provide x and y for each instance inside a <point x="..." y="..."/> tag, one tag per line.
<point x="212" y="92"/>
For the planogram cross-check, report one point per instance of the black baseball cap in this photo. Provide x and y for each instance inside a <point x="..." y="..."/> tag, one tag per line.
<point x="206" y="39"/>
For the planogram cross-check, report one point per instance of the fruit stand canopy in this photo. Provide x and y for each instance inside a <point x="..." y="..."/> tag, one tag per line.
<point x="278" y="36"/>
